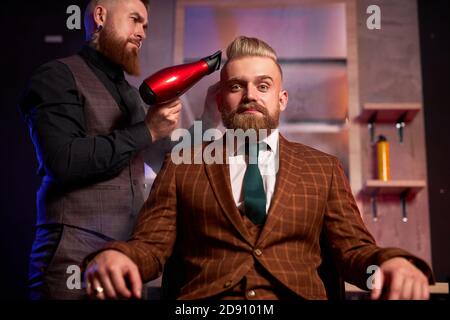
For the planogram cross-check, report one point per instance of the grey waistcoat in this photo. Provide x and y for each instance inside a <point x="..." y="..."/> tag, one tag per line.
<point x="109" y="207"/>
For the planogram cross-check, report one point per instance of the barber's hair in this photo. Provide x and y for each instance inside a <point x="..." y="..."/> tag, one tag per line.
<point x="251" y="47"/>
<point x="93" y="3"/>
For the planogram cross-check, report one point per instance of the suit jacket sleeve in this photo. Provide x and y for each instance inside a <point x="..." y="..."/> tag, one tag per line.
<point x="352" y="246"/>
<point x="155" y="232"/>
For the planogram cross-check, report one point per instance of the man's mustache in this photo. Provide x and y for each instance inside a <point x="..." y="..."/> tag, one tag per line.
<point x="251" y="105"/>
<point x="138" y="43"/>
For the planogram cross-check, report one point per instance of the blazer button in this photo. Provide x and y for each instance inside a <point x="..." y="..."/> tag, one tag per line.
<point x="251" y="293"/>
<point x="228" y="284"/>
<point x="258" y="252"/>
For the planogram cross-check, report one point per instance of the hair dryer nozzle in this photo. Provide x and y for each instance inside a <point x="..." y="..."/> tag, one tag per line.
<point x="147" y="94"/>
<point x="213" y="61"/>
<point x="169" y="83"/>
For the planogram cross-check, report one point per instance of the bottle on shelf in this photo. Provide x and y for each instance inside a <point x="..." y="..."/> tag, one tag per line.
<point x="384" y="172"/>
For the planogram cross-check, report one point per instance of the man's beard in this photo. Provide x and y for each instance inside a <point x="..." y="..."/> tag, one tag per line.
<point x="236" y="119"/>
<point x="115" y="48"/>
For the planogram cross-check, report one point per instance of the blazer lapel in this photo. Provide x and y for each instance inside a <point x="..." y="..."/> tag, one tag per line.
<point x="219" y="178"/>
<point x="290" y="163"/>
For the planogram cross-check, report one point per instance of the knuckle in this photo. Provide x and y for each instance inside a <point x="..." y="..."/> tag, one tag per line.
<point x="133" y="267"/>
<point x="109" y="269"/>
<point x="402" y="271"/>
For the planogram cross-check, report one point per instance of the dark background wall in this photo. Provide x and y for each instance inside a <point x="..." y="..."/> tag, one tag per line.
<point x="434" y="18"/>
<point x="23" y="27"/>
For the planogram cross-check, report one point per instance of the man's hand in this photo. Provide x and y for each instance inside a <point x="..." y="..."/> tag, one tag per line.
<point x="107" y="276"/>
<point x="399" y="279"/>
<point x="162" y="119"/>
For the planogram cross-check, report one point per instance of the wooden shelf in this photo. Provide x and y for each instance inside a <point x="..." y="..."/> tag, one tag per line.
<point x="389" y="112"/>
<point x="438" y="288"/>
<point x="393" y="187"/>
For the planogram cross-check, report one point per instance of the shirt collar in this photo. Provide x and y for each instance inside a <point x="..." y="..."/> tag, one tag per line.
<point x="272" y="140"/>
<point x="100" y="61"/>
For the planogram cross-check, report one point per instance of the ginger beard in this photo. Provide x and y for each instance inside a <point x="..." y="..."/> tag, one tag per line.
<point x="116" y="48"/>
<point x="237" y="119"/>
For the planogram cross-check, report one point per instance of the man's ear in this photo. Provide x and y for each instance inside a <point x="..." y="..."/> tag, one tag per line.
<point x="284" y="97"/>
<point x="100" y="13"/>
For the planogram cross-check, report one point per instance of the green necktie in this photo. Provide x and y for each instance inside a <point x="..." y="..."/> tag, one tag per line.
<point x="254" y="194"/>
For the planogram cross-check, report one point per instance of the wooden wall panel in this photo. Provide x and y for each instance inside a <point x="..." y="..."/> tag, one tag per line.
<point x="389" y="72"/>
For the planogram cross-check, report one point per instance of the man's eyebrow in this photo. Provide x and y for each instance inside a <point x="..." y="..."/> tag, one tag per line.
<point x="135" y="13"/>
<point x="140" y="18"/>
<point x="265" y="77"/>
<point x="259" y="78"/>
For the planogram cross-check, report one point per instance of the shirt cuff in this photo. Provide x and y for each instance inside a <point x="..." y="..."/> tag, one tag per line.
<point x="140" y="135"/>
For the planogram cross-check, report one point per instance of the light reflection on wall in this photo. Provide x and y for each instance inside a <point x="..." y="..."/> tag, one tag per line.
<point x="293" y="31"/>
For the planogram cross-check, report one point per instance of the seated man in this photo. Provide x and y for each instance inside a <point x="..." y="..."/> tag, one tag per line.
<point x="240" y="230"/>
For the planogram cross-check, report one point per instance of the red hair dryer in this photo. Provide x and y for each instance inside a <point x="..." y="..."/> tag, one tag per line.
<point x="172" y="82"/>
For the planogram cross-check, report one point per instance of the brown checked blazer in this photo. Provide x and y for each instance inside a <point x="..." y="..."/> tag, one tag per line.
<point x="191" y="213"/>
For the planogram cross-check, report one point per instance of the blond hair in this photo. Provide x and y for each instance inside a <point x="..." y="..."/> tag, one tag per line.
<point x="251" y="47"/>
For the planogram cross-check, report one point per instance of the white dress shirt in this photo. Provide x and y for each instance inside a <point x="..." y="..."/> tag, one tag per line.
<point x="268" y="162"/>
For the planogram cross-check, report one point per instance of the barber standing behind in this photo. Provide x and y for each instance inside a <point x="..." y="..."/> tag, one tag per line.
<point x="88" y="126"/>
